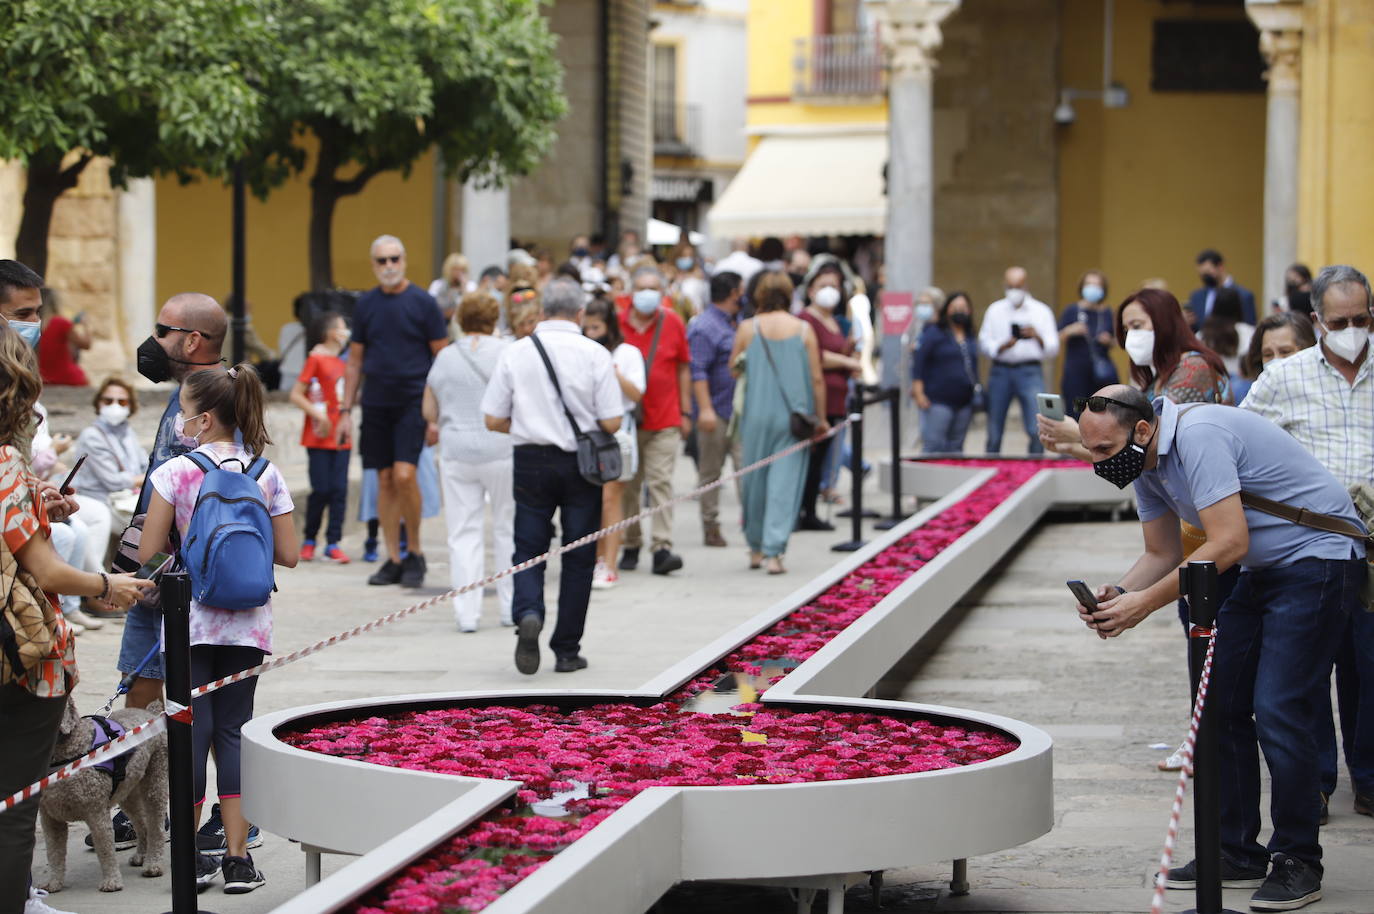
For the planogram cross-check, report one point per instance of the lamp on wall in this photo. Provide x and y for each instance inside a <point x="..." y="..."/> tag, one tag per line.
<point x="1112" y="93"/>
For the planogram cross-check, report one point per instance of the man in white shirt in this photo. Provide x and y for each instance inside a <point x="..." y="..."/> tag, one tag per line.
<point x="1018" y="334"/>
<point x="521" y="400"/>
<point x="1324" y="397"/>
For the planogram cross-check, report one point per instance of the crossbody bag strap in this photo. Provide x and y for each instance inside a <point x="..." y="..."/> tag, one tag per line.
<point x="558" y="389"/>
<point x="768" y="354"/>
<point x="653" y="349"/>
<point x="1302" y="517"/>
<point x="467" y="356"/>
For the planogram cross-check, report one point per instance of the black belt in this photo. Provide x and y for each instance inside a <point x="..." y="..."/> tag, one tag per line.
<point x="1018" y="364"/>
<point x="542" y="449"/>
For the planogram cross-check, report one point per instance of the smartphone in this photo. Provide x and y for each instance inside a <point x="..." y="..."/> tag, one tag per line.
<point x="153" y="566"/>
<point x="1051" y="406"/>
<point x="1016" y="331"/>
<point x="1083" y="594"/>
<point x="66" y="483"/>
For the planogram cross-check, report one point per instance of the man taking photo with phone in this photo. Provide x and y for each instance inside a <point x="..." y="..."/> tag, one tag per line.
<point x="1240" y="478"/>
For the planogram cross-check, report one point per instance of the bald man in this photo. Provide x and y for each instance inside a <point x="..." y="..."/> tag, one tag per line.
<point x="187" y="337"/>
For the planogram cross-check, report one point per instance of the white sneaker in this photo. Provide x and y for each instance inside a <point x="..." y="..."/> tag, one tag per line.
<point x="1175" y="760"/>
<point x="85" y="621"/>
<point x="76" y="627"/>
<point x="36" y="904"/>
<point x="603" y="578"/>
<point x="466" y="626"/>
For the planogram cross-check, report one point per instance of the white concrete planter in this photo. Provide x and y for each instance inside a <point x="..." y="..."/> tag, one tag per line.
<point x="666" y="835"/>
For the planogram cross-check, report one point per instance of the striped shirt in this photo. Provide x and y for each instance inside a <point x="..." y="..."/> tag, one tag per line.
<point x="1307" y="397"/>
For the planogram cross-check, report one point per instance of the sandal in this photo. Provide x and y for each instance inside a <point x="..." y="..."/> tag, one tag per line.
<point x="775" y="565"/>
<point x="755" y="561"/>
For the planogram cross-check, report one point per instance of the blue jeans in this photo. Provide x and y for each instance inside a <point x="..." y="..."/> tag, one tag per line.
<point x="1022" y="382"/>
<point x="328" y="487"/>
<point x="943" y="428"/>
<point x="1276" y="636"/>
<point x="546" y="480"/>
<point x="1354" y="690"/>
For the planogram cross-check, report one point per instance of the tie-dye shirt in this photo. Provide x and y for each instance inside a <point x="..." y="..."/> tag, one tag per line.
<point x="178" y="481"/>
<point x="25" y="517"/>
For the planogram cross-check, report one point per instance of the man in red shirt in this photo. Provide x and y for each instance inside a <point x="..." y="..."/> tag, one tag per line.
<point x="650" y="325"/>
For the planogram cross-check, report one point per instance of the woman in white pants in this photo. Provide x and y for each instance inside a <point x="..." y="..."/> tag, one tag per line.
<point x="475" y="465"/>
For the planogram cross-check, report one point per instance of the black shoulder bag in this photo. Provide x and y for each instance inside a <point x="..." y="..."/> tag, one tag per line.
<point x="598" y="453"/>
<point x="801" y="425"/>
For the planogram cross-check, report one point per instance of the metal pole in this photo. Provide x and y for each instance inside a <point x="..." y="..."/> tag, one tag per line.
<point x="894" y="395"/>
<point x="239" y="318"/>
<point x="176" y="616"/>
<point x="856" y="475"/>
<point x="1199" y="581"/>
<point x="857" y="392"/>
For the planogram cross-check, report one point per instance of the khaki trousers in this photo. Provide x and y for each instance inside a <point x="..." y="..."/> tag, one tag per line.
<point x="713" y="447"/>
<point x="657" y="454"/>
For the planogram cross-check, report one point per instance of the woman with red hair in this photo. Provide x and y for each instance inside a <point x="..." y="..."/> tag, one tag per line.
<point x="1167" y="360"/>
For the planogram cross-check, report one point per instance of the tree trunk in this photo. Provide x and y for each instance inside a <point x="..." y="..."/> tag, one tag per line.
<point x="324" y="195"/>
<point x="47" y="180"/>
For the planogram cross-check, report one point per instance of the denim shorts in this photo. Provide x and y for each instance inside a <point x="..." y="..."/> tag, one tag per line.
<point x="142" y="631"/>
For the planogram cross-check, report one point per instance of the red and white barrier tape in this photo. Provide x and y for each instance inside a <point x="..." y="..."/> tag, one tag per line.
<point x="147" y="731"/>
<point x="1176" y="813"/>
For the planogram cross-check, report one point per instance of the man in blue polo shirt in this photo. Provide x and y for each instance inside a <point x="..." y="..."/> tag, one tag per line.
<point x="397" y="331"/>
<point x="1276" y="634"/>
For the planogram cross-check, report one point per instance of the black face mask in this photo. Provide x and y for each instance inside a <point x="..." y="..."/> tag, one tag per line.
<point x="960" y="319"/>
<point x="1125" y="466"/>
<point x="156" y="365"/>
<point x="1209" y="280"/>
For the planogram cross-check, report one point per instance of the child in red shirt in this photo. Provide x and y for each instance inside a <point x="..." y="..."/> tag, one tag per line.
<point x="317" y="392"/>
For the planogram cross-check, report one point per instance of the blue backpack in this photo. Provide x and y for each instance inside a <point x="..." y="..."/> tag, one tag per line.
<point x="228" y="547"/>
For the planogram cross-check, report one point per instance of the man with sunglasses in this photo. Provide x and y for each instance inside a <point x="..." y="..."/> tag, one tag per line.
<point x="1324" y="397"/>
<point x="1278" y="630"/>
<point x="398" y="328"/>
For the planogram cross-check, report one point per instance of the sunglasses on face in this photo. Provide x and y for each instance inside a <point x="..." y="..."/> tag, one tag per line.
<point x="114" y="401"/>
<point x="163" y="329"/>
<point x="1360" y="321"/>
<point x="394" y="258"/>
<point x="1099" y="404"/>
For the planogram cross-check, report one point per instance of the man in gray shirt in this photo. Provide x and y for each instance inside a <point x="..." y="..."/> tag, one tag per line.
<point x="1277" y="632"/>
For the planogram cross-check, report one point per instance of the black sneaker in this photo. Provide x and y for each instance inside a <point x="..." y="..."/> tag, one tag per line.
<point x="241" y="876"/>
<point x="389" y="573"/>
<point x="527" y="643"/>
<point x="124" y="835"/>
<point x="1292" y="884"/>
<point x="814" y="523"/>
<point x="665" y="561"/>
<point x="207" y="868"/>
<point x="413" y="568"/>
<point x="629" y="559"/>
<point x="1232" y="876"/>
<point x="570" y="664"/>
<point x="210" y="839"/>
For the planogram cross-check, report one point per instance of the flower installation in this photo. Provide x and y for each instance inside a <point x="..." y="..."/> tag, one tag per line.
<point x="576" y="767"/>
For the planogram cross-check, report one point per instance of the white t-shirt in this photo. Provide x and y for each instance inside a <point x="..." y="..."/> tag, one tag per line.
<point x="630" y="361"/>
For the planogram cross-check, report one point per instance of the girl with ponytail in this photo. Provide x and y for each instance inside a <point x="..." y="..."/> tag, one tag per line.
<point x="222" y="418"/>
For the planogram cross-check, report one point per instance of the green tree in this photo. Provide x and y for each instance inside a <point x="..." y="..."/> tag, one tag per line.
<point x="159" y="86"/>
<point x="377" y="84"/>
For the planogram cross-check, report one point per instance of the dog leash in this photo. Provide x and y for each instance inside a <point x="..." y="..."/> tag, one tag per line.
<point x="127" y="682"/>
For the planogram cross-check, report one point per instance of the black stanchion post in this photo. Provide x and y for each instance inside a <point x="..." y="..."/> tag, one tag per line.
<point x="1199" y="581"/>
<point x="856" y="474"/>
<point x="894" y="406"/>
<point x="176" y="615"/>
<point x="857" y="403"/>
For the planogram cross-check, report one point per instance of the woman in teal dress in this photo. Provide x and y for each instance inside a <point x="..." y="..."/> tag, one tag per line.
<point x="783" y="376"/>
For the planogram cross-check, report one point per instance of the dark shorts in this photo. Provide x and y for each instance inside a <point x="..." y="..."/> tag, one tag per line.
<point x="142" y="632"/>
<point x="391" y="434"/>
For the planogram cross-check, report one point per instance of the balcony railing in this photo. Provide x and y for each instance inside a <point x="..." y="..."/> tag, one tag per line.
<point x="677" y="130"/>
<point x="838" y="66"/>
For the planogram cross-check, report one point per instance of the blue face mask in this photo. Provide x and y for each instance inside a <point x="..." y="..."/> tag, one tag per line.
<point x="1092" y="293"/>
<point x="29" y="331"/>
<point x="646" y="301"/>
<point x="685" y="264"/>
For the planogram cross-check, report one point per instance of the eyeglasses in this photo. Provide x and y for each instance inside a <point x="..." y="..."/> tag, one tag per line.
<point x="163" y="329"/>
<point x="114" y="401"/>
<point x="1099" y="404"/>
<point x="394" y="258"/>
<point x="1360" y="321"/>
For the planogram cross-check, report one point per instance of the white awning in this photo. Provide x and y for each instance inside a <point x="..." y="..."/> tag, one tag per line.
<point x="825" y="184"/>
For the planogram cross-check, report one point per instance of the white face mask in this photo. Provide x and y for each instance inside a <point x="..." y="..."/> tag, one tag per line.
<point x="827" y="297"/>
<point x="1140" y="346"/>
<point x="1016" y="296"/>
<point x="646" y="301"/>
<point x="113" y="413"/>
<point x="1347" y="343"/>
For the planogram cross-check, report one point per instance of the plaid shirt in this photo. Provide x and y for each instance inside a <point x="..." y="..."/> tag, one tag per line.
<point x="1308" y="398"/>
<point x="711" y="336"/>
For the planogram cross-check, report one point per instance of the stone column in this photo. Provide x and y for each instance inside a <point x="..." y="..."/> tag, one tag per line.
<point x="1280" y="25"/>
<point x="911" y="35"/>
<point x="486" y="226"/>
<point x="137" y="239"/>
